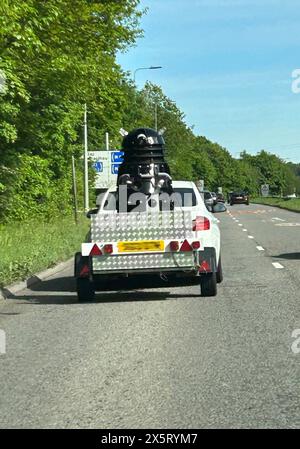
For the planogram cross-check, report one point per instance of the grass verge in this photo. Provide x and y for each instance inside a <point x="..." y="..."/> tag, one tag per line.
<point x="26" y="248"/>
<point x="292" y="204"/>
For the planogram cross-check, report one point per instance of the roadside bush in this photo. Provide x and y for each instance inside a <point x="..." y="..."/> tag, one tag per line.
<point x="31" y="190"/>
<point x="31" y="246"/>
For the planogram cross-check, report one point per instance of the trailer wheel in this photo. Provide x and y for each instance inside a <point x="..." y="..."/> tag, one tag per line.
<point x="220" y="271"/>
<point x="208" y="284"/>
<point x="85" y="290"/>
<point x="77" y="260"/>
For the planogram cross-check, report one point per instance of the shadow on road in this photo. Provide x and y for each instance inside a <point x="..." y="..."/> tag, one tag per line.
<point x="288" y="256"/>
<point x="67" y="284"/>
<point x="57" y="291"/>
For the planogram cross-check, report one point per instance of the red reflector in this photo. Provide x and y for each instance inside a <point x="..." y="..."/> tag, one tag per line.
<point x="108" y="249"/>
<point x="196" y="245"/>
<point x="84" y="271"/>
<point x="186" y="246"/>
<point x="201" y="224"/>
<point x="205" y="267"/>
<point x="174" y="245"/>
<point x="95" y="251"/>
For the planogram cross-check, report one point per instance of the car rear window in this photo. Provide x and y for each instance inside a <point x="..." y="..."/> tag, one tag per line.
<point x="184" y="197"/>
<point x="111" y="201"/>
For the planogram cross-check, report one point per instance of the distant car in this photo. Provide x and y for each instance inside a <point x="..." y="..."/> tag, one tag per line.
<point x="208" y="198"/>
<point x="214" y="196"/>
<point x="220" y="198"/>
<point x="239" y="198"/>
<point x="293" y="195"/>
<point x="229" y="196"/>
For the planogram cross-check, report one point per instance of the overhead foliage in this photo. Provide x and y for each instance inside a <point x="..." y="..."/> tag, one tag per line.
<point x="58" y="55"/>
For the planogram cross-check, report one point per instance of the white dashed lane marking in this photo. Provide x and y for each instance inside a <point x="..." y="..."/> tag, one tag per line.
<point x="277" y="219"/>
<point x="277" y="265"/>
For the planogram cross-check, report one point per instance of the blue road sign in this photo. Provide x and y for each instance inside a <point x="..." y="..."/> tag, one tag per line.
<point x="98" y="165"/>
<point x="117" y="157"/>
<point x="115" y="168"/>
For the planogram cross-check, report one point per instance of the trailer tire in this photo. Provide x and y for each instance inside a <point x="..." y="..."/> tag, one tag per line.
<point x="85" y="290"/>
<point x="208" y="284"/>
<point x="77" y="259"/>
<point x="220" y="271"/>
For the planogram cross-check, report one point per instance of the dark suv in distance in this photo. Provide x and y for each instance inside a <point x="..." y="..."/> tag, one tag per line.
<point x="239" y="198"/>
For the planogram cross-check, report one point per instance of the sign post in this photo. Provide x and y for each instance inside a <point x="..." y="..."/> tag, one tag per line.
<point x="74" y="190"/>
<point x="86" y="166"/>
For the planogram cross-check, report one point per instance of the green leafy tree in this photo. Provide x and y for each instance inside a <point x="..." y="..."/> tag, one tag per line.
<point x="58" y="55"/>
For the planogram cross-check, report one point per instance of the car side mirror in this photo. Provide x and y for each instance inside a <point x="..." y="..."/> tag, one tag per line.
<point x="219" y="207"/>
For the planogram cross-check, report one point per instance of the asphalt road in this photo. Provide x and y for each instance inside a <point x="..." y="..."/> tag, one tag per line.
<point x="155" y="355"/>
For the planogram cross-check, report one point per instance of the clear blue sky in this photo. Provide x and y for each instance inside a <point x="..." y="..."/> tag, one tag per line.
<point x="228" y="66"/>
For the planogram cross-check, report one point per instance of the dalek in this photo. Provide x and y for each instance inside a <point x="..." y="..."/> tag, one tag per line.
<point x="144" y="168"/>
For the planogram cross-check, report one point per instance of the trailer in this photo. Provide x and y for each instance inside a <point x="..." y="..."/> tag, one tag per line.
<point x="182" y="242"/>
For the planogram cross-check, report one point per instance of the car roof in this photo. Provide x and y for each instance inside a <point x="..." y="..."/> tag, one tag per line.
<point x="183" y="184"/>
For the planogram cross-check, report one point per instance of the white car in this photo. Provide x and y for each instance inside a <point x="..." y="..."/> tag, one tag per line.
<point x="136" y="249"/>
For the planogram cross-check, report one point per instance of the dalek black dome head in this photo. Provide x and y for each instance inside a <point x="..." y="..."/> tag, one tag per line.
<point x="142" y="138"/>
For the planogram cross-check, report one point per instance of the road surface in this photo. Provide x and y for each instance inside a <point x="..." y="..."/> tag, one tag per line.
<point x="160" y="356"/>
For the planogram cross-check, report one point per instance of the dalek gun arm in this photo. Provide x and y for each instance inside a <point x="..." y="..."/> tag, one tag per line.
<point x="164" y="179"/>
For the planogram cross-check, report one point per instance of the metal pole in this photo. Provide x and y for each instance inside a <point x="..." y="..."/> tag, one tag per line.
<point x="145" y="68"/>
<point x="155" y="116"/>
<point x="86" y="167"/>
<point x="107" y="141"/>
<point x="74" y="190"/>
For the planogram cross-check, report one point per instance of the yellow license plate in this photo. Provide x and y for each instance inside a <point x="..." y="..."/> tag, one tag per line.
<point x="140" y="246"/>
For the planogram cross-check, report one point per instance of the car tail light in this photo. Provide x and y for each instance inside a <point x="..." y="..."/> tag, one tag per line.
<point x="174" y="245"/>
<point x="95" y="251"/>
<point x="108" y="249"/>
<point x="201" y="224"/>
<point x="186" y="246"/>
<point x="196" y="245"/>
